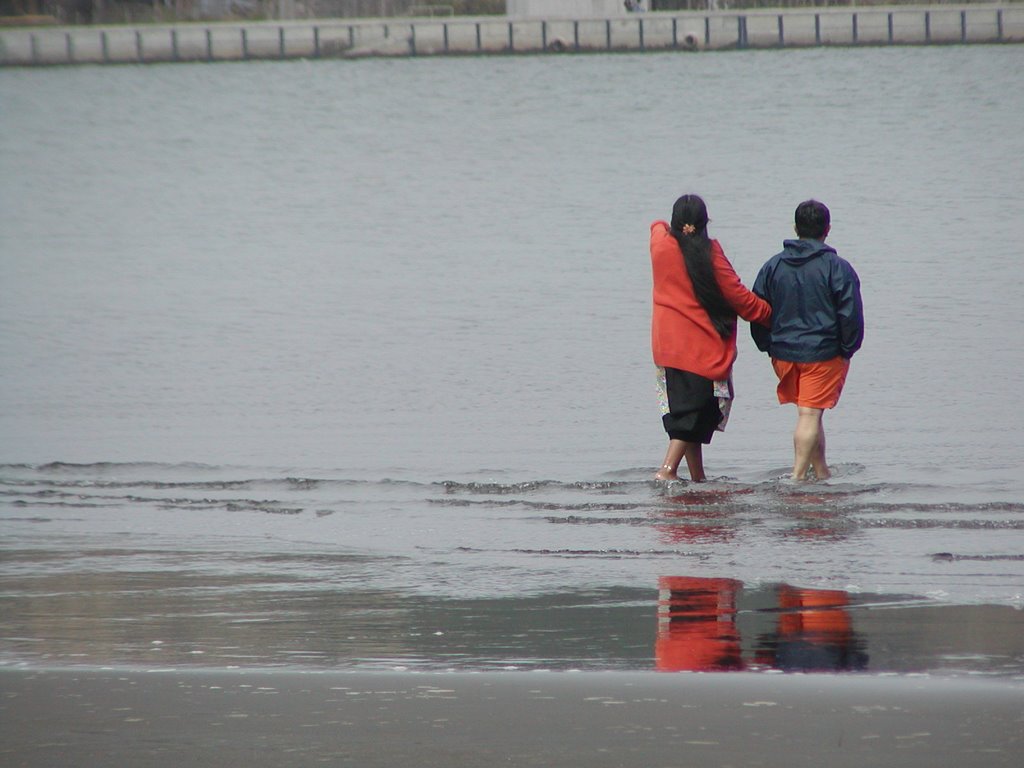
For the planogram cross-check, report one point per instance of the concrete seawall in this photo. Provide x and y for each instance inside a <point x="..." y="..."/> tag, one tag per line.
<point x="324" y="38"/>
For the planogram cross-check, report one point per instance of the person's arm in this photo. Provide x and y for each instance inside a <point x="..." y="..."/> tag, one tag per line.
<point x="761" y="335"/>
<point x="749" y="306"/>
<point x="849" y="310"/>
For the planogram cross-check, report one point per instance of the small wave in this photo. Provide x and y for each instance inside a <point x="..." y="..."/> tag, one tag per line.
<point x="612" y="499"/>
<point x="284" y="484"/>
<point x="577" y="520"/>
<point x="229" y="505"/>
<point x="951" y="556"/>
<point x="268" y="507"/>
<point x="451" y="486"/>
<point x="22" y="504"/>
<point x="947" y="507"/>
<point x="156" y="485"/>
<point x="922" y="524"/>
<point x="608" y="553"/>
<point x="106" y="466"/>
<point x="543" y="506"/>
<point x="197" y="476"/>
<point x="530" y="486"/>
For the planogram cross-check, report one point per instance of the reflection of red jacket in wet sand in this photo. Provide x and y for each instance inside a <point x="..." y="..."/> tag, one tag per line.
<point x="696" y="625"/>
<point x="682" y="336"/>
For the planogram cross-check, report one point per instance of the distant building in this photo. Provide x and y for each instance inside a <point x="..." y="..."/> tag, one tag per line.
<point x="566" y="9"/>
<point x="603" y="9"/>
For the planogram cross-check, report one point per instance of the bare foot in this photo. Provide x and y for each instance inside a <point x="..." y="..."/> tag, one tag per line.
<point x="811" y="476"/>
<point x="666" y="473"/>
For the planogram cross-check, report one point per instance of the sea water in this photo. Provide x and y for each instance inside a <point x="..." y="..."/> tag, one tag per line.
<point x="342" y="364"/>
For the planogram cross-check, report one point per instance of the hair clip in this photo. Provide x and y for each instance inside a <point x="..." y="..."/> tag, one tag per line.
<point x="689" y="229"/>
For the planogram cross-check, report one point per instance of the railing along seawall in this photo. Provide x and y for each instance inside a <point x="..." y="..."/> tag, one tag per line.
<point x="693" y="31"/>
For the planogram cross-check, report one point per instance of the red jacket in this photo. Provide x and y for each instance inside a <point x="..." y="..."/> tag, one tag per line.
<point x="682" y="335"/>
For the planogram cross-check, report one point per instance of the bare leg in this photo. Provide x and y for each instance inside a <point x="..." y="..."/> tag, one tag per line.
<point x="809" y="444"/>
<point x="677" y="451"/>
<point x="694" y="454"/>
<point x="674" y="455"/>
<point x="818" y="462"/>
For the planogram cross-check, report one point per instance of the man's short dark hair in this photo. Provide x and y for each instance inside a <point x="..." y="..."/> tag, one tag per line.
<point x="812" y="220"/>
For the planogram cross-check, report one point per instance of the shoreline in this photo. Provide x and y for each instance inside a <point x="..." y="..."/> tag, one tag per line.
<point x="105" y="717"/>
<point x="473" y="36"/>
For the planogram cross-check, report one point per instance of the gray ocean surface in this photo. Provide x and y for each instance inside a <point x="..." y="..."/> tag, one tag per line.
<point x="347" y="364"/>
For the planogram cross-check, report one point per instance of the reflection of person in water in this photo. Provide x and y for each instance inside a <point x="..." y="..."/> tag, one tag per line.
<point x="696" y="625"/>
<point x="815" y="632"/>
<point x="697" y="629"/>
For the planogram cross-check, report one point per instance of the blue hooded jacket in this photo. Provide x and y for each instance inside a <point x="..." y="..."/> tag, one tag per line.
<point x="817" y="312"/>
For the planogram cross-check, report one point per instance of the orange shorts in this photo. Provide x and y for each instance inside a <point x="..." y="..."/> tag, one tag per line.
<point x="811" y="385"/>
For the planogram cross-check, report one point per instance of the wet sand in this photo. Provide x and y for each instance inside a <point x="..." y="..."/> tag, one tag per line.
<point x="169" y="718"/>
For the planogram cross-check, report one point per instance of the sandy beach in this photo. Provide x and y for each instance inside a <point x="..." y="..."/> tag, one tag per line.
<point x="153" y="719"/>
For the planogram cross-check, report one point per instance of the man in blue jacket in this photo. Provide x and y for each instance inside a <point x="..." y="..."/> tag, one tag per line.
<point x="817" y="326"/>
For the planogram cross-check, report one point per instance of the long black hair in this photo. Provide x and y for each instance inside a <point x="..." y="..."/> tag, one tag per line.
<point x="689" y="226"/>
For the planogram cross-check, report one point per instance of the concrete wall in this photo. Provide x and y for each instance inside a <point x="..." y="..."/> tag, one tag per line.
<point x="897" y="25"/>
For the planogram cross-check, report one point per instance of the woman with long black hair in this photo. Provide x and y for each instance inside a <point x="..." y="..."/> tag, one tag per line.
<point x="697" y="296"/>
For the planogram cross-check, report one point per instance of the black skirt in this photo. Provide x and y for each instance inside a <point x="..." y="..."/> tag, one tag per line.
<point x="693" y="412"/>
